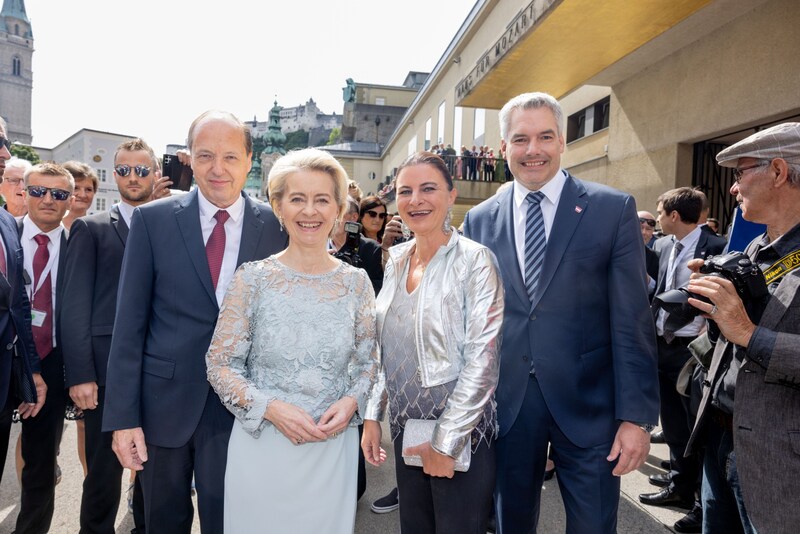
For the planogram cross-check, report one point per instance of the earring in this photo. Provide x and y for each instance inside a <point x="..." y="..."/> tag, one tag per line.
<point x="280" y="221"/>
<point x="448" y="221"/>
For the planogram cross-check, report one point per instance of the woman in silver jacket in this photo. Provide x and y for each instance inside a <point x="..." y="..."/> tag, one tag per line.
<point x="439" y="317"/>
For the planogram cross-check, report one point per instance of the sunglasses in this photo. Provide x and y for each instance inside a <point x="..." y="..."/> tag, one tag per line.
<point x="125" y="170"/>
<point x="39" y="191"/>
<point x="649" y="222"/>
<point x="5" y="143"/>
<point x="373" y="214"/>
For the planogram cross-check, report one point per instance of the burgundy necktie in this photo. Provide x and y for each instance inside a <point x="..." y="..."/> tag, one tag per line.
<point x="43" y="298"/>
<point x="215" y="246"/>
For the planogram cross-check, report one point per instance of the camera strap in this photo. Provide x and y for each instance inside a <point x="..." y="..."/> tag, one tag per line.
<point x="782" y="267"/>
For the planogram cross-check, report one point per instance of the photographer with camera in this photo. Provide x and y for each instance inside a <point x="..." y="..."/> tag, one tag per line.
<point x="348" y="245"/>
<point x="749" y="417"/>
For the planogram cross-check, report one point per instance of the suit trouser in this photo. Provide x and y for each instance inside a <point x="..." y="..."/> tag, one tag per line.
<point x="103" y="482"/>
<point x="588" y="488"/>
<point x="167" y="476"/>
<point x="677" y="420"/>
<point x="6" y="412"/>
<point x="440" y="505"/>
<point x="41" y="437"/>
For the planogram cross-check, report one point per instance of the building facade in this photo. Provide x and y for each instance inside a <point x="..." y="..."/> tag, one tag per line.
<point x="651" y="90"/>
<point x="16" y="73"/>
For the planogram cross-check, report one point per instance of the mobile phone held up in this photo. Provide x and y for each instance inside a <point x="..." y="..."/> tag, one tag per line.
<point x="179" y="174"/>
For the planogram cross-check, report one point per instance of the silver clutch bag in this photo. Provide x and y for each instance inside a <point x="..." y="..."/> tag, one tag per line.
<point x="419" y="431"/>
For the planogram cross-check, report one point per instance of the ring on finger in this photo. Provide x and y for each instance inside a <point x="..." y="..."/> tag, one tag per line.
<point x="713" y="310"/>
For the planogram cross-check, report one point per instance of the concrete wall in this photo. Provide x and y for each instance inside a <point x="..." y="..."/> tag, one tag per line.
<point x="742" y="74"/>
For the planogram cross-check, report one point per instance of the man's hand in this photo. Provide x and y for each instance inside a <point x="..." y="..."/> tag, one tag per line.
<point x="433" y="463"/>
<point x="129" y="446"/>
<point x="160" y="187"/>
<point x="29" y="409"/>
<point x="631" y="447"/>
<point x="84" y="395"/>
<point x="726" y="308"/>
<point x="371" y="443"/>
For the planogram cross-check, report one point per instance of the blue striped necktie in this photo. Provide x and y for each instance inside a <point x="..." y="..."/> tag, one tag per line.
<point x="535" y="242"/>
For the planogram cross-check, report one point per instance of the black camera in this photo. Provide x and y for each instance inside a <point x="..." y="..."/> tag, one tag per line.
<point x="349" y="251"/>
<point x="745" y="275"/>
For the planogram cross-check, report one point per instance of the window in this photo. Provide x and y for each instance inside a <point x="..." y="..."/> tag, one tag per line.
<point x="588" y="120"/>
<point x="480" y="125"/>
<point x="16" y="66"/>
<point x="440" y="126"/>
<point x="457" y="117"/>
<point x="428" y="134"/>
<point x="380" y="101"/>
<point x="412" y="145"/>
<point x="100" y="204"/>
<point x="101" y="174"/>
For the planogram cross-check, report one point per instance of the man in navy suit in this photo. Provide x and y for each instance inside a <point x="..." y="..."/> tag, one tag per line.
<point x="92" y="271"/>
<point x="180" y="256"/>
<point x="578" y="359"/>
<point x="15" y="322"/>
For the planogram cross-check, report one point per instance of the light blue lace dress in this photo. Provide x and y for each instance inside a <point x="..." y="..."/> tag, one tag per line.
<point x="304" y="339"/>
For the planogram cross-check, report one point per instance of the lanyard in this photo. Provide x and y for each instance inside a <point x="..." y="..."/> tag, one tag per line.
<point x="782" y="267"/>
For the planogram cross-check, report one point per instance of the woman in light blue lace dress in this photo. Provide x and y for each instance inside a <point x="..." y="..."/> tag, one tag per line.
<point x="294" y="357"/>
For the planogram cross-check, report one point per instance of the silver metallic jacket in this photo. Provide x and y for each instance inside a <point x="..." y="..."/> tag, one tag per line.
<point x="458" y="323"/>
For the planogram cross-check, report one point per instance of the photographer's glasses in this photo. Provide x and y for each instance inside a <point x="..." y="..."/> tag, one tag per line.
<point x="649" y="222"/>
<point x="125" y="170"/>
<point x="39" y="191"/>
<point x="739" y="173"/>
<point x="373" y="214"/>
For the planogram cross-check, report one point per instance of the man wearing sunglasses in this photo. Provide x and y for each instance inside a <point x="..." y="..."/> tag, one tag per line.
<point x="180" y="256"/>
<point x="48" y="188"/>
<point x="15" y="327"/>
<point x="92" y="272"/>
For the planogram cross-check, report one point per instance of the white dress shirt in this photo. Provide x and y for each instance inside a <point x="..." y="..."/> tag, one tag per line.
<point x="681" y="272"/>
<point x="29" y="246"/>
<point x="233" y="237"/>
<point x="126" y="210"/>
<point x="552" y="193"/>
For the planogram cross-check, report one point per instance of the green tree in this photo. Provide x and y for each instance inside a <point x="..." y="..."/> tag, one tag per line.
<point x="335" y="137"/>
<point x="25" y="152"/>
<point x="298" y="139"/>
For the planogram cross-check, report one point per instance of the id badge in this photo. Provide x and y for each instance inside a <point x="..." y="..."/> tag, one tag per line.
<point x="38" y="317"/>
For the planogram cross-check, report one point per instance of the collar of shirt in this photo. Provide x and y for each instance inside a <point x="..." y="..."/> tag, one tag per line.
<point x="689" y="243"/>
<point x="30" y="230"/>
<point x="208" y="210"/>
<point x="788" y="242"/>
<point x="126" y="210"/>
<point x="551" y="190"/>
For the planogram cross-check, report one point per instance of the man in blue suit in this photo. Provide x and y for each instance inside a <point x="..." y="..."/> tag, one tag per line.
<point x="179" y="258"/>
<point x="15" y="324"/>
<point x="578" y="359"/>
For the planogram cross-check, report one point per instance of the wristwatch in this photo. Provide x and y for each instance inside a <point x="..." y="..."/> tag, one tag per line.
<point x="645" y="426"/>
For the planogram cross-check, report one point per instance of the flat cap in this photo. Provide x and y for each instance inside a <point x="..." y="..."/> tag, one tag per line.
<point x="781" y="141"/>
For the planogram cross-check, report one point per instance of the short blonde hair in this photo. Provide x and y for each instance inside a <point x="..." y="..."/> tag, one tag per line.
<point x="48" y="168"/>
<point x="307" y="159"/>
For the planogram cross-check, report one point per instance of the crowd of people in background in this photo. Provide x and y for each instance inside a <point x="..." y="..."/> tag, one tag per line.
<point x="211" y="342"/>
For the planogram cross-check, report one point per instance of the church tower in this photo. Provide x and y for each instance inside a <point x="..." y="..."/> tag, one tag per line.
<point x="16" y="74"/>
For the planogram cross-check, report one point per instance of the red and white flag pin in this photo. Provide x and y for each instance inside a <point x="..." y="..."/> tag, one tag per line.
<point x="578" y="209"/>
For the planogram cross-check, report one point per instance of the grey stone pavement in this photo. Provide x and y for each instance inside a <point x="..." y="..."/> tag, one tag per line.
<point x="633" y="517"/>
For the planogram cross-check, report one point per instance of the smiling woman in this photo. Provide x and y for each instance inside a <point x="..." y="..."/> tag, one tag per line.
<point x="293" y="357"/>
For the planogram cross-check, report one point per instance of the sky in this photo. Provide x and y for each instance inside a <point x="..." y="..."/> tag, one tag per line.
<point x="147" y="68"/>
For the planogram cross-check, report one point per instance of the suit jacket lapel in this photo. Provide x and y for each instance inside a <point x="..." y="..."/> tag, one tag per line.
<point x="118" y="223"/>
<point x="783" y="296"/>
<point x="506" y="245"/>
<point x="567" y="218"/>
<point x="252" y="227"/>
<point x="187" y="213"/>
<point x="663" y="266"/>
